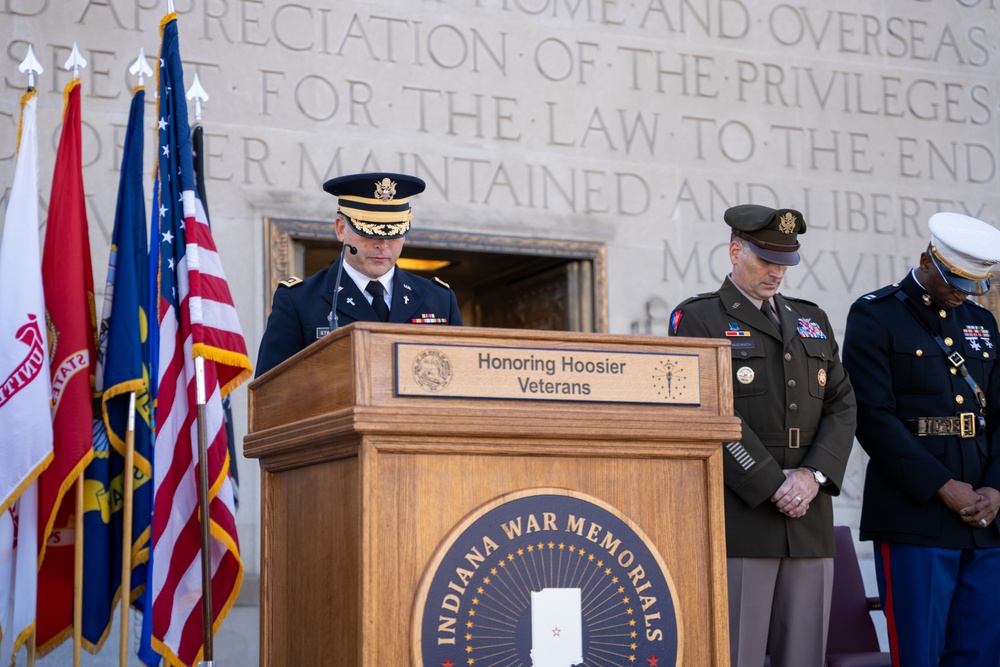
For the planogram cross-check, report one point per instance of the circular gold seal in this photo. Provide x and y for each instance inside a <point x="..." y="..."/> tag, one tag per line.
<point x="546" y="576"/>
<point x="432" y="370"/>
<point x="745" y="375"/>
<point x="821" y="377"/>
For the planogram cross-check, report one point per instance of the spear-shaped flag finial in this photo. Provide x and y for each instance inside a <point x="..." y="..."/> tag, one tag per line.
<point x="31" y="65"/>
<point x="198" y="94"/>
<point x="75" y="62"/>
<point x="140" y="67"/>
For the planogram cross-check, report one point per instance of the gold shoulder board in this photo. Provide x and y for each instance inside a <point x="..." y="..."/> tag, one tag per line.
<point x="291" y="282"/>
<point x="441" y="282"/>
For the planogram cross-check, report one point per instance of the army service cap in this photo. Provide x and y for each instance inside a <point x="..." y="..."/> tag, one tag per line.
<point x="966" y="251"/>
<point x="772" y="233"/>
<point x="376" y="205"/>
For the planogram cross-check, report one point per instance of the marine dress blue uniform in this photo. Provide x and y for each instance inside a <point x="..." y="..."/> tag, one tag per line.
<point x="920" y="421"/>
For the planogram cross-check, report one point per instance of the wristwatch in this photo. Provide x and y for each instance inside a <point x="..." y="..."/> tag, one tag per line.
<point x="820" y="478"/>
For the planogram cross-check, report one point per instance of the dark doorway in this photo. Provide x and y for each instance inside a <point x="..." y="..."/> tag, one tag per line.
<point x="506" y="282"/>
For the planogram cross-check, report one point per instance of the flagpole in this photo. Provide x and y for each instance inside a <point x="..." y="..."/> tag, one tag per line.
<point x="206" y="560"/>
<point x="78" y="575"/>
<point x="31" y="66"/>
<point x="198" y="94"/>
<point x="127" y="532"/>
<point x="75" y="62"/>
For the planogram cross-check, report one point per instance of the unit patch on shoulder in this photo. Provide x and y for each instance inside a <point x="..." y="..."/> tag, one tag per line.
<point x="675" y="320"/>
<point x="291" y="282"/>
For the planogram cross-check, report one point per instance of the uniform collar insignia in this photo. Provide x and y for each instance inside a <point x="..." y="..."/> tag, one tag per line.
<point x="405" y="286"/>
<point x="350" y="300"/>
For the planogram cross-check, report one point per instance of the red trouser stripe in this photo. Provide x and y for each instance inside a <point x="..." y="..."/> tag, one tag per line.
<point x="890" y="616"/>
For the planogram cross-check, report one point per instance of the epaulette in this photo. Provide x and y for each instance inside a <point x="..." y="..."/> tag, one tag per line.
<point x="976" y="303"/>
<point x="798" y="299"/>
<point x="697" y="297"/>
<point x="441" y="282"/>
<point x="880" y="293"/>
<point x="291" y="282"/>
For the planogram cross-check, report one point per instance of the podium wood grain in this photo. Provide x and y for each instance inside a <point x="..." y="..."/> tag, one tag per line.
<point x="359" y="487"/>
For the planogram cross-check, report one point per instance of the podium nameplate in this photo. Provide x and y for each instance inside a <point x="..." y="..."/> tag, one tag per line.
<point x="539" y="374"/>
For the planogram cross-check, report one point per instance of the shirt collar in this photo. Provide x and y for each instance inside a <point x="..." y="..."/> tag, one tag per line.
<point x="756" y="302"/>
<point x="361" y="280"/>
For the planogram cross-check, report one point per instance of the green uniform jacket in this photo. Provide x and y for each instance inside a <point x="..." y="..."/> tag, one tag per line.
<point x="779" y="385"/>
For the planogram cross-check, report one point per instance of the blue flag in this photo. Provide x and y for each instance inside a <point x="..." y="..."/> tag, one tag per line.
<point x="122" y="368"/>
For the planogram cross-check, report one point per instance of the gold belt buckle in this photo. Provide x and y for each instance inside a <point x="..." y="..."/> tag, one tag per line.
<point x="793" y="437"/>
<point x="967" y="423"/>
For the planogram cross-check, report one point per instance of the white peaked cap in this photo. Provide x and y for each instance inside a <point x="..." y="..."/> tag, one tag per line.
<point x="967" y="249"/>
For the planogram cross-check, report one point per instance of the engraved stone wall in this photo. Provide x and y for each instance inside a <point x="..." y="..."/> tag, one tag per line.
<point x="630" y="122"/>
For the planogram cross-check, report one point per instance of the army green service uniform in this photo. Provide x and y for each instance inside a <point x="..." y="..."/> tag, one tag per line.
<point x="797" y="408"/>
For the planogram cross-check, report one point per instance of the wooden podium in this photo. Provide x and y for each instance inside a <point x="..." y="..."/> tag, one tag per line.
<point x="381" y="443"/>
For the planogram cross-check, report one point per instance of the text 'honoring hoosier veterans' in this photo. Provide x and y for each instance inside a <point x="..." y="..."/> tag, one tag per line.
<point x="457" y="371"/>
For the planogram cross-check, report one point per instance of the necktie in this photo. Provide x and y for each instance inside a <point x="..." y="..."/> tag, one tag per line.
<point x="771" y="315"/>
<point x="378" y="300"/>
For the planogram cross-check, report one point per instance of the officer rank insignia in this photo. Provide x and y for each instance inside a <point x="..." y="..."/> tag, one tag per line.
<point x="809" y="329"/>
<point x="977" y="336"/>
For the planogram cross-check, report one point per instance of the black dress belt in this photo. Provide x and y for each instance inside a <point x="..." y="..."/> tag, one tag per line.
<point x="964" y="425"/>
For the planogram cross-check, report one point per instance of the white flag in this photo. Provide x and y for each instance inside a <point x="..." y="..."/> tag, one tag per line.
<point x="25" y="393"/>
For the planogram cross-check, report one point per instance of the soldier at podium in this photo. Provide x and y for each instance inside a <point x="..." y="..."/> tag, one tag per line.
<point x="373" y="219"/>
<point x="798" y="412"/>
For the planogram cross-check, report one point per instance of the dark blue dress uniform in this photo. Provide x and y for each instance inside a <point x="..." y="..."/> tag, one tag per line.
<point x="921" y="423"/>
<point x="300" y="314"/>
<point x="797" y="409"/>
<point x="373" y="206"/>
<point x="900" y="374"/>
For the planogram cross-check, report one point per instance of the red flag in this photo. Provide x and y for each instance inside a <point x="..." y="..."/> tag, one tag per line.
<point x="71" y="322"/>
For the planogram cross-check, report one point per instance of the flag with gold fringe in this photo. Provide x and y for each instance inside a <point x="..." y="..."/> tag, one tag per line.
<point x="122" y="368"/>
<point x="196" y="317"/>
<point x="25" y="390"/>
<point x="68" y="280"/>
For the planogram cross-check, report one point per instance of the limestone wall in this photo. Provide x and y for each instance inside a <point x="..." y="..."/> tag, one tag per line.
<point x="629" y="122"/>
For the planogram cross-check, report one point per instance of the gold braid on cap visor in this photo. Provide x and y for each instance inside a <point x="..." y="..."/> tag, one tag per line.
<point x="961" y="273"/>
<point x="378" y="222"/>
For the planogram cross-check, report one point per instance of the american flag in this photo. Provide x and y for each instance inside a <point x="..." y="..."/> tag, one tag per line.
<point x="196" y="317"/>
